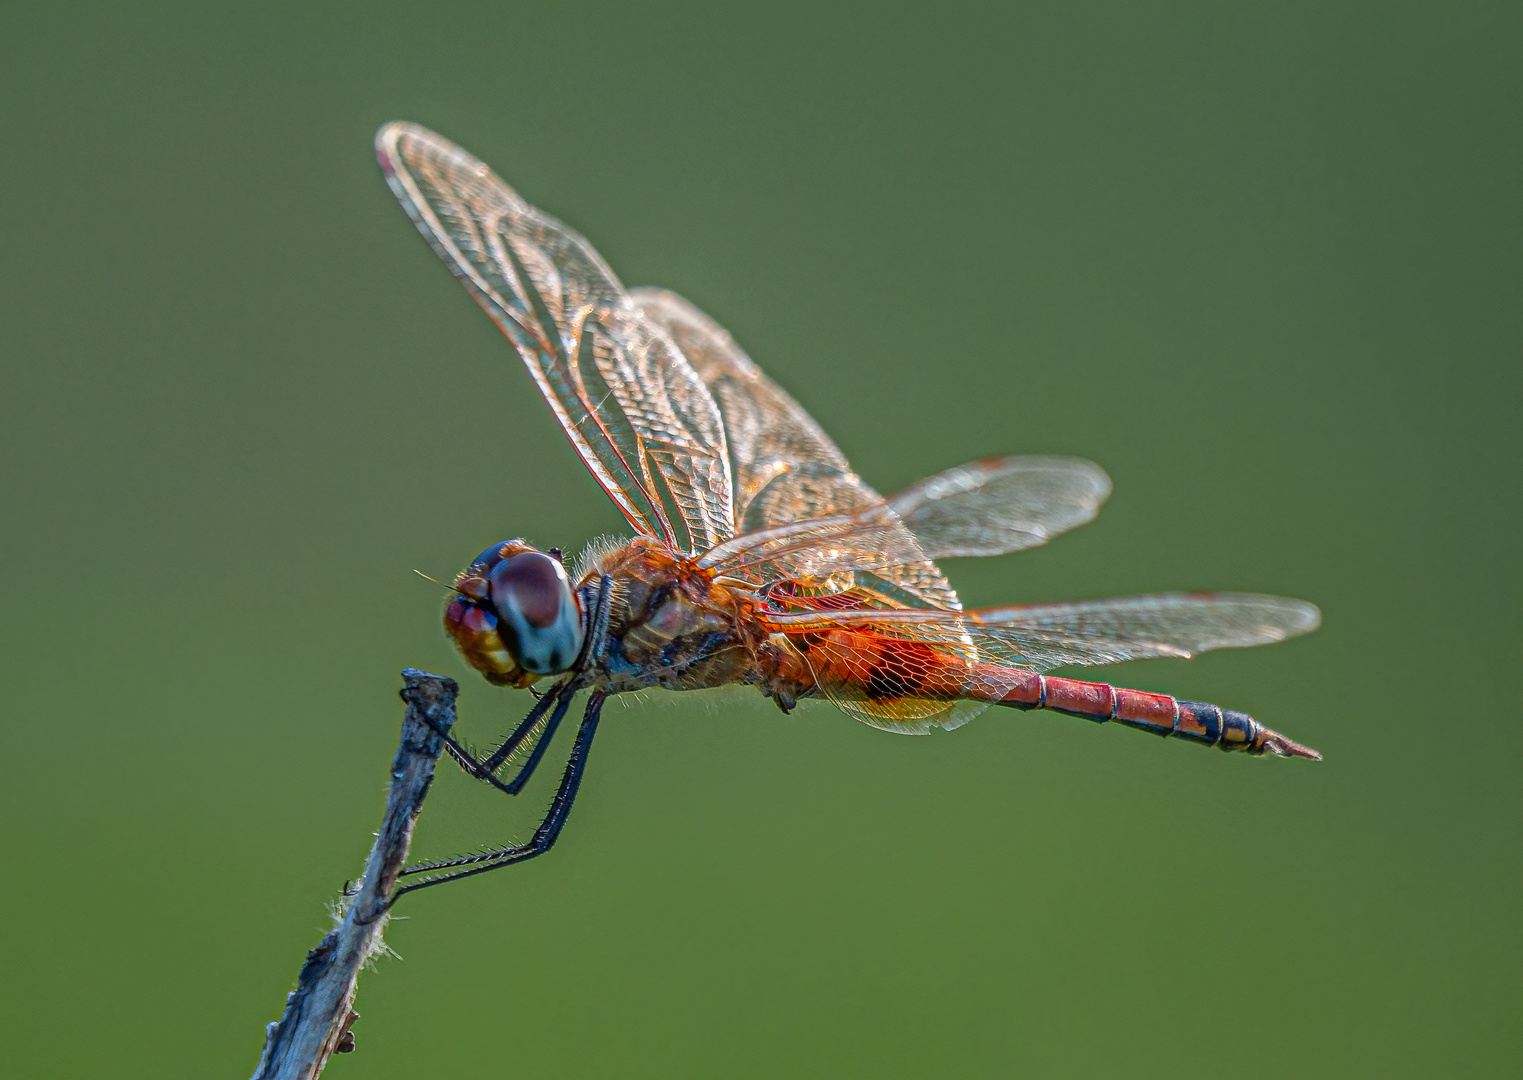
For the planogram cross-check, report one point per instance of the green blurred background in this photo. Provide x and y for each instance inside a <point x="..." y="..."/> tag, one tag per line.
<point x="1262" y="263"/>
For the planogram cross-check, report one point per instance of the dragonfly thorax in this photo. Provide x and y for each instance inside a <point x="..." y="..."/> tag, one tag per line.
<point x="516" y="616"/>
<point x="669" y="623"/>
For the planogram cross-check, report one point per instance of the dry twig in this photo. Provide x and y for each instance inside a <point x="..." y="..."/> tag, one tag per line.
<point x="319" y="1012"/>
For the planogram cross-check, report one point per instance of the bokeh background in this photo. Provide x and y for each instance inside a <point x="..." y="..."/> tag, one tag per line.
<point x="1260" y="262"/>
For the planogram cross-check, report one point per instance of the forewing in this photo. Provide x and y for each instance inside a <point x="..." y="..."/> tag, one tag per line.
<point x="634" y="409"/>
<point x="1000" y="505"/>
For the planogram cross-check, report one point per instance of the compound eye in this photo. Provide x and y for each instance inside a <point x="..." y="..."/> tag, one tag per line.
<point x="540" y="620"/>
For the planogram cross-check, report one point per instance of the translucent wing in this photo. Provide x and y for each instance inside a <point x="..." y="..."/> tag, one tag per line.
<point x="1043" y="636"/>
<point x="999" y="505"/>
<point x="1135" y="627"/>
<point x="904" y="669"/>
<point x="632" y="406"/>
<point x="808" y="513"/>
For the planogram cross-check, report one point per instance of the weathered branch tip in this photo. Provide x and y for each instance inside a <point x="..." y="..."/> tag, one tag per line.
<point x="319" y="1016"/>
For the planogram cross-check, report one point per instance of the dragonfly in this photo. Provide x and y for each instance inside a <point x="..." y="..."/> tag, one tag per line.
<point x="759" y="558"/>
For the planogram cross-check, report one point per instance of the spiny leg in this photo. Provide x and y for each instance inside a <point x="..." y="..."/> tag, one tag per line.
<point x="521" y="733"/>
<point x="466" y="757"/>
<point x="515" y="785"/>
<point x="549" y="829"/>
<point x="486" y="768"/>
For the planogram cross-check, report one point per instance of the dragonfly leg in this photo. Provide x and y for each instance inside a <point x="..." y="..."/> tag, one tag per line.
<point x="486" y="768"/>
<point x="544" y="837"/>
<point x="1161" y="714"/>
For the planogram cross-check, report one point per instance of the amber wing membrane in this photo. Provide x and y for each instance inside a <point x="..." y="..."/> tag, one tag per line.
<point x="634" y="409"/>
<point x="907" y="663"/>
<point x="899" y="673"/>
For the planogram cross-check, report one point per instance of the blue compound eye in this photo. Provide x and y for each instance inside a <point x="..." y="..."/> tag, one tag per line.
<point x="538" y="615"/>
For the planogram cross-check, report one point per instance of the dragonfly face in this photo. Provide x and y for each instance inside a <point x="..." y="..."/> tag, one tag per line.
<point x="516" y="616"/>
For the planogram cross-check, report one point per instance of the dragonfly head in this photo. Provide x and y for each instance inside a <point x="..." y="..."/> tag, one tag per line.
<point x="516" y="616"/>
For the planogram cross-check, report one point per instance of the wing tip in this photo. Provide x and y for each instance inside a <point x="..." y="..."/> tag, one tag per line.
<point x="1293" y="617"/>
<point x="386" y="137"/>
<point x="1281" y="616"/>
<point x="1310" y="617"/>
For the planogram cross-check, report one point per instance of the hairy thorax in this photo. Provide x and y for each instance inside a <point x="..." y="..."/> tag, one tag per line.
<point x="670" y="625"/>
